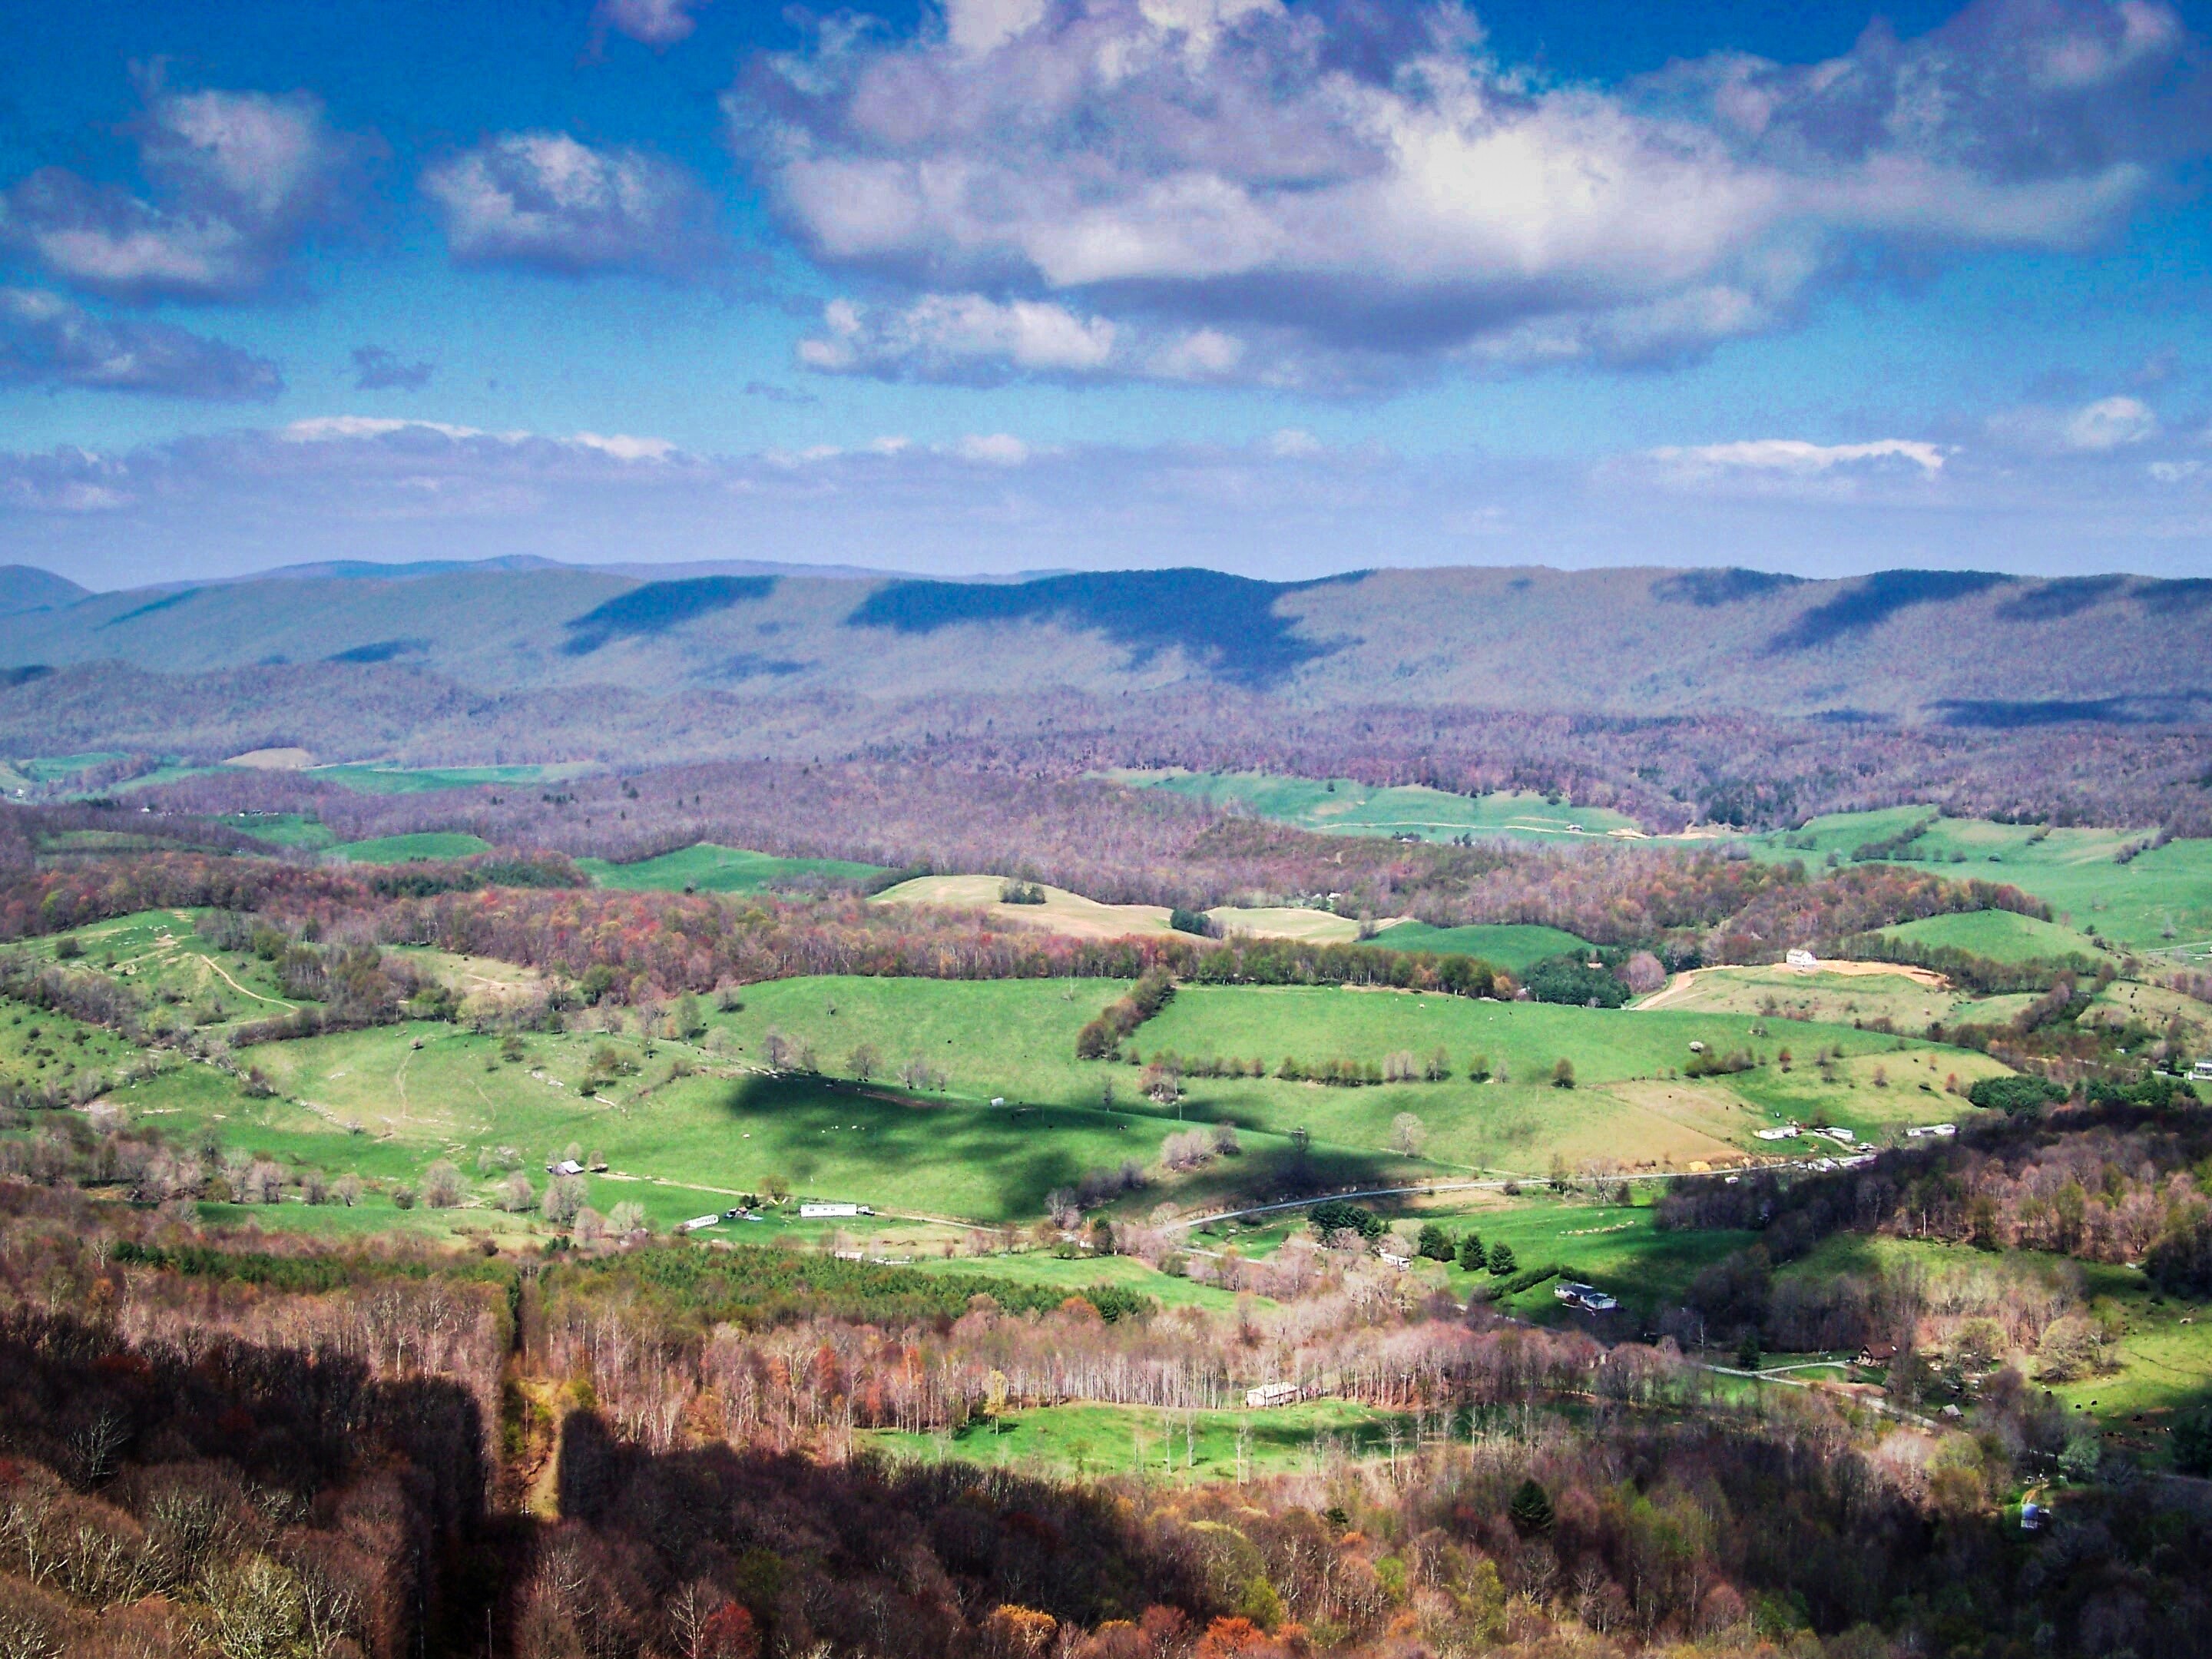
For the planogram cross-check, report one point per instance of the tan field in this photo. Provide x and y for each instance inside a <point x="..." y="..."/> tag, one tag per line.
<point x="1062" y="912"/>
<point x="273" y="760"/>
<point x="1077" y="917"/>
<point x="1839" y="993"/>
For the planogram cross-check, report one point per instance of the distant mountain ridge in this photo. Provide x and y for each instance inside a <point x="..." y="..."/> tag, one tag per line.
<point x="1938" y="647"/>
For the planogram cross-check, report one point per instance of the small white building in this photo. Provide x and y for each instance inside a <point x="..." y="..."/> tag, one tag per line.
<point x="697" y="1222"/>
<point x="1588" y="1297"/>
<point x="1940" y="1130"/>
<point x="831" y="1212"/>
<point x="567" y="1166"/>
<point x="1799" y="959"/>
<point x="2202" y="1071"/>
<point x="1271" y="1394"/>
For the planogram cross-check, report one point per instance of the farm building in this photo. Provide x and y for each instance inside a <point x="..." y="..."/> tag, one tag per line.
<point x="1273" y="1393"/>
<point x="1588" y="1297"/>
<point x="567" y="1166"/>
<point x="1801" y="959"/>
<point x="696" y="1223"/>
<point x="817" y="1212"/>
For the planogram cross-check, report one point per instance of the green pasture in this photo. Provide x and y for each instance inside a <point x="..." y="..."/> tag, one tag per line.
<point x="683" y="1132"/>
<point x="1340" y="807"/>
<point x="1017" y="1038"/>
<point x="1778" y="992"/>
<point x="157" y="956"/>
<point x="2160" y="1361"/>
<point x="1513" y="947"/>
<point x="40" y="1048"/>
<point x="708" y="868"/>
<point x="402" y="849"/>
<point x="2000" y="935"/>
<point x="54" y="769"/>
<point x="1170" y="1445"/>
<point x="289" y="829"/>
<point x="375" y="779"/>
<point x="2161" y="899"/>
<point x="1122" y="1272"/>
<point x="1615" y="1247"/>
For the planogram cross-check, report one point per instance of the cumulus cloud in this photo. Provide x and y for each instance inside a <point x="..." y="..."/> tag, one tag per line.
<point x="50" y="341"/>
<point x="234" y="183"/>
<point x="2092" y="429"/>
<point x="1795" y="457"/>
<point x="376" y="369"/>
<point x="993" y="449"/>
<point x="543" y="201"/>
<point x="2109" y="423"/>
<point x="658" y="23"/>
<point x="1370" y="187"/>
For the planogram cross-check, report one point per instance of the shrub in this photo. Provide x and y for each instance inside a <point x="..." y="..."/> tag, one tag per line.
<point x="1021" y="892"/>
<point x="1195" y="923"/>
<point x="1574" y="982"/>
<point x="2013" y="1094"/>
<point x="1502" y="1260"/>
<point x="441" y="1186"/>
<point x="1335" y="1215"/>
<point x="1434" y="1244"/>
<point x="1563" y="1075"/>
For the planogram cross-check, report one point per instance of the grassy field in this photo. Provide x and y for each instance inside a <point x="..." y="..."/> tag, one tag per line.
<point x="1017" y="1039"/>
<point x="1799" y="995"/>
<point x="2001" y="935"/>
<point x="401" y="849"/>
<point x="1340" y="807"/>
<point x="291" y="830"/>
<point x="157" y="954"/>
<point x="2160" y="1359"/>
<point x="372" y="779"/>
<point x="1613" y="1246"/>
<point x="1513" y="948"/>
<point x="708" y="868"/>
<point x="1077" y="917"/>
<point x="2161" y="899"/>
<point x="685" y="1129"/>
<point x="1169" y="1445"/>
<point x="41" y="1048"/>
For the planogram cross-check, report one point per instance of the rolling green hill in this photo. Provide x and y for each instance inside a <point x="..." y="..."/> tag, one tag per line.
<point x="707" y="868"/>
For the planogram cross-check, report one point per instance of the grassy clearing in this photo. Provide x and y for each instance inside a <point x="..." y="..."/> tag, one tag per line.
<point x="156" y="955"/>
<point x="1040" y="1268"/>
<point x="1340" y="807"/>
<point x="1512" y="947"/>
<point x="401" y="849"/>
<point x="1795" y="994"/>
<point x="1177" y="1446"/>
<point x="38" y="1048"/>
<point x="1062" y="912"/>
<point x="2159" y="1363"/>
<point x="2000" y="935"/>
<point x="1613" y="1246"/>
<point x="2161" y="899"/>
<point x="291" y="829"/>
<point x="375" y="780"/>
<point x="708" y="868"/>
<point x="683" y="1131"/>
<point x="1017" y="1039"/>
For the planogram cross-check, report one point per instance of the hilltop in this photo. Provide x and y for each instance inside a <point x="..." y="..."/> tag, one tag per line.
<point x="1917" y="647"/>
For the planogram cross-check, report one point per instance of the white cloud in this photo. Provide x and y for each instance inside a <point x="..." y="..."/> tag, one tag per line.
<point x="658" y="23"/>
<point x="238" y="180"/>
<point x="543" y="201"/>
<point x="2109" y="423"/>
<point x="981" y="26"/>
<point x="1292" y="442"/>
<point x="993" y="449"/>
<point x="1796" y="456"/>
<point x="341" y="429"/>
<point x="1323" y="193"/>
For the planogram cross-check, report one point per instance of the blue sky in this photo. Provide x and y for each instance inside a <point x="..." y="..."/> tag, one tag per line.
<point x="1280" y="286"/>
